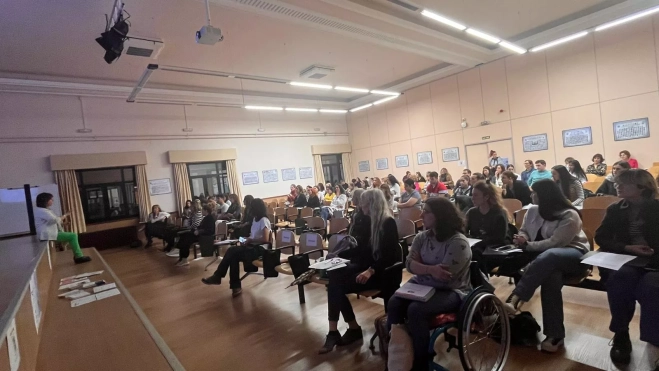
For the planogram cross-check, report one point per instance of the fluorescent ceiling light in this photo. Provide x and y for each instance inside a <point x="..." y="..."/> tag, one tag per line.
<point x="333" y="111"/>
<point x="483" y="35"/>
<point x="382" y="92"/>
<point x="301" y="109"/>
<point x="357" y="90"/>
<point x="308" y="85"/>
<point x="387" y="99"/>
<point x="361" y="107"/>
<point x="264" y="108"/>
<point x="627" y="19"/>
<point x="512" y="47"/>
<point x="443" y="20"/>
<point x="559" y="41"/>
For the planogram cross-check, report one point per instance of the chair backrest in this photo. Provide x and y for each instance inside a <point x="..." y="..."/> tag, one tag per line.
<point x="221" y="229"/>
<point x="512" y="205"/>
<point x="311" y="241"/>
<point x="599" y="202"/>
<point x="326" y="203"/>
<point x="338" y="224"/>
<point x="594" y="178"/>
<point x="334" y="240"/>
<point x="279" y="212"/>
<point x="316" y="223"/>
<point x="405" y="227"/>
<point x="285" y="237"/>
<point x="306" y="212"/>
<point x="291" y="213"/>
<point x="409" y="213"/>
<point x="270" y="210"/>
<point x="592" y="219"/>
<point x="272" y="204"/>
<point x="589" y="236"/>
<point x="519" y="218"/>
<point x="592" y="186"/>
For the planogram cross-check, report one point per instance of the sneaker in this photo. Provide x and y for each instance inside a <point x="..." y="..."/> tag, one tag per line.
<point x="621" y="349"/>
<point x="212" y="280"/>
<point x="174" y="253"/>
<point x="552" y="345"/>
<point x="182" y="263"/>
<point x="236" y="292"/>
<point x="332" y="339"/>
<point x="82" y="259"/>
<point x="351" y="335"/>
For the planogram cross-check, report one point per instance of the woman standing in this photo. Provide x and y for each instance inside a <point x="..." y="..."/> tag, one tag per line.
<point x="630" y="227"/>
<point x="494" y="159"/>
<point x="439" y="257"/>
<point x="553" y="230"/>
<point x="598" y="167"/>
<point x="446" y="178"/>
<point x="377" y="249"/>
<point x="49" y="227"/>
<point x="570" y="186"/>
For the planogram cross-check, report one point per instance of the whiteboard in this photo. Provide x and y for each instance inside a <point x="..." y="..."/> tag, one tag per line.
<point x="13" y="206"/>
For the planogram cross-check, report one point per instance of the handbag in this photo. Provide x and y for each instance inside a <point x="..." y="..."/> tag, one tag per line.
<point x="271" y="259"/>
<point x="299" y="264"/>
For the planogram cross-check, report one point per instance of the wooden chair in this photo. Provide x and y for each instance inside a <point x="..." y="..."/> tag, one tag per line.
<point x="594" y="178"/>
<point x="333" y="241"/>
<point x="406" y="233"/>
<point x="285" y="239"/>
<point x="317" y="224"/>
<point x="592" y="218"/>
<point x="512" y="205"/>
<point x="291" y="214"/>
<point x="306" y="212"/>
<point x="279" y="213"/>
<point x="272" y="204"/>
<point x="338" y="225"/>
<point x="413" y="214"/>
<point x="310" y="241"/>
<point x="519" y="218"/>
<point x="592" y="186"/>
<point x="599" y="202"/>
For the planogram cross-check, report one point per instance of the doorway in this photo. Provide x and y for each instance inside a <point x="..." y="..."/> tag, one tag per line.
<point x="478" y="155"/>
<point x="332" y="167"/>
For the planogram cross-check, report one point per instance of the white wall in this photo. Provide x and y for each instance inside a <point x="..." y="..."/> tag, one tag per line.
<point x="33" y="127"/>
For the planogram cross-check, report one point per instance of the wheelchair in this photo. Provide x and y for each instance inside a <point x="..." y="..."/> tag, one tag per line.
<point x="482" y="325"/>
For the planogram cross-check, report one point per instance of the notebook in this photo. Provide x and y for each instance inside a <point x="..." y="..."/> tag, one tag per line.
<point x="416" y="292"/>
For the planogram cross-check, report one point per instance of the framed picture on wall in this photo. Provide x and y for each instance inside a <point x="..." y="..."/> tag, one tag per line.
<point x="381" y="163"/>
<point x="631" y="129"/>
<point x="577" y="137"/>
<point x="402" y="161"/>
<point x="364" y="166"/>
<point x="533" y="143"/>
<point x="306" y="173"/>
<point x="288" y="174"/>
<point x="270" y="176"/>
<point x="424" y="158"/>
<point x="450" y="154"/>
<point x="160" y="186"/>
<point x="250" y="177"/>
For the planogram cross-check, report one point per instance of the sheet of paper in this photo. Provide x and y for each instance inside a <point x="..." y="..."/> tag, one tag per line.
<point x="107" y="286"/>
<point x="107" y="294"/>
<point x="91" y="284"/>
<point x="71" y="280"/>
<point x="286" y="237"/>
<point x="12" y="345"/>
<point x="608" y="260"/>
<point x="74" y="285"/>
<point x="67" y="294"/>
<point x="34" y="296"/>
<point x="311" y="239"/>
<point x="82" y="301"/>
<point x="78" y="295"/>
<point x="473" y="241"/>
<point x="337" y="267"/>
<point x="84" y="275"/>
<point x="329" y="263"/>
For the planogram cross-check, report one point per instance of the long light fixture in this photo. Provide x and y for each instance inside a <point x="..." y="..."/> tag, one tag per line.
<point x="560" y="41"/>
<point x="356" y="90"/>
<point x="333" y="111"/>
<point x="513" y="47"/>
<point x="308" y="85"/>
<point x="483" y="35"/>
<point x="387" y="99"/>
<point x="264" y="108"/>
<point x="627" y="19"/>
<point x="383" y="92"/>
<point x="301" y="109"/>
<point x="361" y="107"/>
<point x="443" y="20"/>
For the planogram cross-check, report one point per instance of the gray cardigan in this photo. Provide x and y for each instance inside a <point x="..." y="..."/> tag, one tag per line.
<point x="564" y="232"/>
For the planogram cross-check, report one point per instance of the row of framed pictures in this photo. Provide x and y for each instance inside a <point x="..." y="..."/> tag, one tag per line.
<point x="422" y="158"/>
<point x="622" y="130"/>
<point x="272" y="176"/>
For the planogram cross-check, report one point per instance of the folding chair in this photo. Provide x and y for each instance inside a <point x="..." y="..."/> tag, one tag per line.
<point x="317" y="224"/>
<point x="406" y="234"/>
<point x="413" y="214"/>
<point x="512" y="205"/>
<point x="602" y="202"/>
<point x="337" y="225"/>
<point x="311" y="241"/>
<point x="285" y="239"/>
<point x="306" y="212"/>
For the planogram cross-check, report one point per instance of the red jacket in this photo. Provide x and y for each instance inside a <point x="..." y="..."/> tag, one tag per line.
<point x="439" y="188"/>
<point x="633" y="163"/>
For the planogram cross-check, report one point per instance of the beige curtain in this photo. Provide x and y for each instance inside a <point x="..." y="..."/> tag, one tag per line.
<point x="346" y="158"/>
<point x="318" y="169"/>
<point x="181" y="185"/>
<point x="232" y="175"/>
<point x="70" y="200"/>
<point x="143" y="195"/>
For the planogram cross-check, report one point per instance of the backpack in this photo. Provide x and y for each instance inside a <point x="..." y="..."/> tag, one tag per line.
<point x="382" y="334"/>
<point x="524" y="330"/>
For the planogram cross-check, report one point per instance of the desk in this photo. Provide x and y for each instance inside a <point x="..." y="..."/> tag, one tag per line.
<point x="109" y="334"/>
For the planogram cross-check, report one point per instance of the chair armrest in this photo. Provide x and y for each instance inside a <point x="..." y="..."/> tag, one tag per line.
<point x="313" y="251"/>
<point x="406" y="237"/>
<point x="344" y="230"/>
<point x="394" y="267"/>
<point x="292" y="247"/>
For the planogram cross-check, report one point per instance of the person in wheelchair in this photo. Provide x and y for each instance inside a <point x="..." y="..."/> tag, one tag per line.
<point x="440" y="257"/>
<point x="376" y="234"/>
<point x="553" y="231"/>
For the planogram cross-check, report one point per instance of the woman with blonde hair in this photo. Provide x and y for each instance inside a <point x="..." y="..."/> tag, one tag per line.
<point x="446" y="178"/>
<point x="386" y="191"/>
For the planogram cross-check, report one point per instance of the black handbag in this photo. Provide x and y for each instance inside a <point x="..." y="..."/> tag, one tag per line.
<point x="271" y="259"/>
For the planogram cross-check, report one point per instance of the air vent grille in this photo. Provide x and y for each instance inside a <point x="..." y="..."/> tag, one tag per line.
<point x="139" y="52"/>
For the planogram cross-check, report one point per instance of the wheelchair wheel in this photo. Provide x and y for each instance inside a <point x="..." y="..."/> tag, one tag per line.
<point x="483" y="333"/>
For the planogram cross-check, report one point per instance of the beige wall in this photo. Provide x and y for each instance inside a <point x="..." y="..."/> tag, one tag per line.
<point x="594" y="81"/>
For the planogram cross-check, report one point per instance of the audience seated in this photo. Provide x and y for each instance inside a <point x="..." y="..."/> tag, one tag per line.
<point x="570" y="186"/>
<point x="598" y="167"/>
<point x="553" y="230"/>
<point x="301" y="199"/>
<point x="420" y="177"/>
<point x="293" y="195"/>
<point x="626" y="156"/>
<point x="511" y="167"/>
<point x="245" y="227"/>
<point x="411" y="197"/>
<point x="377" y="249"/>
<point x="568" y="160"/>
<point x="388" y="196"/>
<point x="435" y="188"/>
<point x="395" y="186"/>
<point x="498" y="172"/>
<point x="513" y="188"/>
<point x="466" y="172"/>
<point x="186" y="213"/>
<point x="488" y="174"/>
<point x="608" y="186"/>
<point x="539" y="173"/>
<point x="157" y="218"/>
<point x="321" y="191"/>
<point x="338" y="203"/>
<point x="630" y="227"/>
<point x="407" y="175"/>
<point x="575" y="169"/>
<point x="313" y="200"/>
<point x="329" y="195"/>
<point x="440" y="257"/>
<point x="446" y="178"/>
<point x="245" y="252"/>
<point x="528" y="169"/>
<point x="233" y="211"/>
<point x="462" y="187"/>
<point x="205" y="228"/>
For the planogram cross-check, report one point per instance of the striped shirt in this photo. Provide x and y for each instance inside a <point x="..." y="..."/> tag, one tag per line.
<point x="196" y="219"/>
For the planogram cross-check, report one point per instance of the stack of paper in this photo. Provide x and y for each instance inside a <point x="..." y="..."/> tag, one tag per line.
<point x="330" y="264"/>
<point x="413" y="291"/>
<point x="608" y="260"/>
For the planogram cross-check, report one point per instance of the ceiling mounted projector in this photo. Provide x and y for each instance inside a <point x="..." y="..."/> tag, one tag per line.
<point x="208" y="35"/>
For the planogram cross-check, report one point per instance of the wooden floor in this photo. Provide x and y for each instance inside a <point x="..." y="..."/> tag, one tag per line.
<point x="267" y="329"/>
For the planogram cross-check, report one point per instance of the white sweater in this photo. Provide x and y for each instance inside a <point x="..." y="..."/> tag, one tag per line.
<point x="47" y="223"/>
<point x="564" y="232"/>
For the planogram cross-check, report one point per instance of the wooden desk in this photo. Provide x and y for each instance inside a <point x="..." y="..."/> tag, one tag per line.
<point x="103" y="335"/>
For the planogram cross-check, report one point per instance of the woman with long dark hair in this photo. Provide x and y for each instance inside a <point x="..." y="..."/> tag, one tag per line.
<point x="498" y="172"/>
<point x="489" y="177"/>
<point x="488" y="219"/>
<point x="439" y="257"/>
<point x="552" y="229"/>
<point x="301" y="199"/>
<point x="395" y="186"/>
<point x="577" y="171"/>
<point x="570" y="186"/>
<point x="608" y="186"/>
<point x="243" y="229"/>
<point x="49" y="227"/>
<point x="249" y="250"/>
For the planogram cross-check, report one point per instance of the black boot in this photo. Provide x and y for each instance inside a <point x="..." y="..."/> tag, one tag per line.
<point x="212" y="280"/>
<point x="621" y="351"/>
<point x="82" y="259"/>
<point x="352" y="335"/>
<point x="332" y="339"/>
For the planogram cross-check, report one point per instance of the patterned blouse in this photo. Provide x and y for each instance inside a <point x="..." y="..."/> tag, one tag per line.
<point x="599" y="170"/>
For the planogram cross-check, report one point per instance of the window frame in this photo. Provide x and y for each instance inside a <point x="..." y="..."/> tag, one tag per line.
<point x="83" y="188"/>
<point x="221" y="175"/>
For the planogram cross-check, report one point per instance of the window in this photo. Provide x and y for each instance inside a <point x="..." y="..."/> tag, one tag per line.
<point x="208" y="178"/>
<point x="107" y="194"/>
<point x="332" y="167"/>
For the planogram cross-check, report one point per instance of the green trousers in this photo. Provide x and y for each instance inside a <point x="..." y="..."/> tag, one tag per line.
<point x="72" y="239"/>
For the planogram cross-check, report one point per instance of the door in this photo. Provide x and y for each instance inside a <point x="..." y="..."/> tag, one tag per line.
<point x="332" y="167"/>
<point x="504" y="149"/>
<point x="477" y="157"/>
